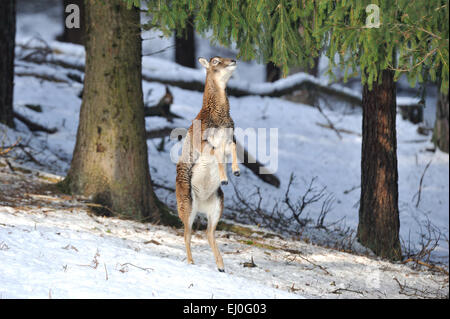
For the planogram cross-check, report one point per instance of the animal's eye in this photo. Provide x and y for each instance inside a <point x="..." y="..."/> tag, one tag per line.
<point x="215" y="62"/>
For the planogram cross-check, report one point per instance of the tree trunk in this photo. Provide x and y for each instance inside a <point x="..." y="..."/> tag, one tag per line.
<point x="441" y="126"/>
<point x="273" y="73"/>
<point x="379" y="222"/>
<point x="185" y="45"/>
<point x="73" y="35"/>
<point x="110" y="160"/>
<point x="7" y="43"/>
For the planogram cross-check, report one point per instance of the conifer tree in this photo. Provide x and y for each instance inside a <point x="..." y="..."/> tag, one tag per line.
<point x="185" y="45"/>
<point x="7" y="44"/>
<point x="110" y="160"/>
<point x="384" y="40"/>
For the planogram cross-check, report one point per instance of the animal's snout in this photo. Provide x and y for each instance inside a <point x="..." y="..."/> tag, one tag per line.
<point x="232" y="62"/>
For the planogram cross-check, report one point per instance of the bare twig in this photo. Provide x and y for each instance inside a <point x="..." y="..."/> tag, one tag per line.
<point x="330" y="123"/>
<point x="419" y="192"/>
<point x="340" y="130"/>
<point x="326" y="208"/>
<point x="106" y="271"/>
<point x="431" y="266"/>
<point x="429" y="241"/>
<point x="250" y="264"/>
<point x="142" y="268"/>
<point x="418" y="293"/>
<point x="314" y="264"/>
<point x="351" y="189"/>
<point x="7" y="149"/>
<point x="339" y="291"/>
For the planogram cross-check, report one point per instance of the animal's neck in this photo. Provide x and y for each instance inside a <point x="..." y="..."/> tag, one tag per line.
<point x="215" y="97"/>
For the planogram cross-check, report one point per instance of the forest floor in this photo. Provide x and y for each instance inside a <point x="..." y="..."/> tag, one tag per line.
<point x="53" y="246"/>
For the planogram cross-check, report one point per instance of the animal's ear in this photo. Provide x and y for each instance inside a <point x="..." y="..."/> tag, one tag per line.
<point x="204" y="62"/>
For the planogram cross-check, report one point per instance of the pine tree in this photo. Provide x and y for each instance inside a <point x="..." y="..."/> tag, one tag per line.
<point x="441" y="127"/>
<point x="110" y="160"/>
<point x="185" y="45"/>
<point x="384" y="40"/>
<point x="7" y="44"/>
<point x="410" y="39"/>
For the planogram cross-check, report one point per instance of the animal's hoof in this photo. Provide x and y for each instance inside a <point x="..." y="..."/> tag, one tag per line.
<point x="237" y="173"/>
<point x="221" y="269"/>
<point x="224" y="183"/>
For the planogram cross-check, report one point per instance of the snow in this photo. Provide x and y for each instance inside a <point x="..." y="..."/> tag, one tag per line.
<point x="35" y="263"/>
<point x="62" y="255"/>
<point x="51" y="246"/>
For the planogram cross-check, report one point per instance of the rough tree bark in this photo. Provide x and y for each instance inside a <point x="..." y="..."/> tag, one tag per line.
<point x="379" y="222"/>
<point x="110" y="160"/>
<point x="441" y="126"/>
<point x="7" y="43"/>
<point x="185" y="45"/>
<point x="73" y="35"/>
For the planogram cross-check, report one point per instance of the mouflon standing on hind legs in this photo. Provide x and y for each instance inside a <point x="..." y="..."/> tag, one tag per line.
<point x="201" y="168"/>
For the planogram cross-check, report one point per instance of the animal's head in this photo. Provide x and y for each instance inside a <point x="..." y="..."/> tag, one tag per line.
<point x="220" y="69"/>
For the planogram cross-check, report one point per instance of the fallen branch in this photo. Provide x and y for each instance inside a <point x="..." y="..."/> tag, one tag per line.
<point x="156" y="185"/>
<point x="330" y="123"/>
<point x="338" y="130"/>
<point x="256" y="167"/>
<point x="250" y="264"/>
<point x="339" y="291"/>
<point x="244" y="157"/>
<point x="163" y="132"/>
<point x="314" y="264"/>
<point x="28" y="153"/>
<point x="419" y="192"/>
<point x="5" y="150"/>
<point x="34" y="126"/>
<point x="106" y="272"/>
<point x="432" y="267"/>
<point x="142" y="268"/>
<point x="162" y="108"/>
<point x="45" y="77"/>
<point x="351" y="189"/>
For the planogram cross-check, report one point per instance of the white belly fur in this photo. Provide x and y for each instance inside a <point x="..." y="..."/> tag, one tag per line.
<point x="205" y="178"/>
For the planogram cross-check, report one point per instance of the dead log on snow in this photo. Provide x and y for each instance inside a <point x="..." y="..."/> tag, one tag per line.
<point x="162" y="108"/>
<point x="34" y="126"/>
<point x="307" y="84"/>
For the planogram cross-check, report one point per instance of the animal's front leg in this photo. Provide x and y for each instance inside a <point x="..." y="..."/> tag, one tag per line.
<point x="234" y="164"/>
<point x="219" y="153"/>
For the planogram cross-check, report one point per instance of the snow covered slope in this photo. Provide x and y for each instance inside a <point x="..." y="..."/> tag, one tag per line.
<point x="51" y="246"/>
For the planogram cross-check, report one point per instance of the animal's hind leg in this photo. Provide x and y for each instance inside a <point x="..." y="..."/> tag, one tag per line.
<point x="187" y="236"/>
<point x="213" y="218"/>
<point x="186" y="214"/>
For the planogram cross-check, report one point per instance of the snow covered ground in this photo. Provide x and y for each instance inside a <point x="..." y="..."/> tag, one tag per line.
<point x="34" y="262"/>
<point x="52" y="246"/>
